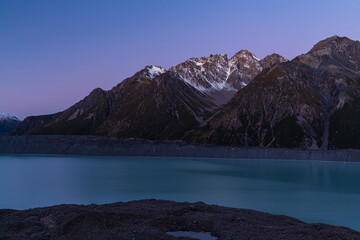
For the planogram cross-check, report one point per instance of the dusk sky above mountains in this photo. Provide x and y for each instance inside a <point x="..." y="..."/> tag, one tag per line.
<point x="53" y="53"/>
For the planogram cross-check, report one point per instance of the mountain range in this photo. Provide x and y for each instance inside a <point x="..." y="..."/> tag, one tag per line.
<point x="7" y="122"/>
<point x="310" y="102"/>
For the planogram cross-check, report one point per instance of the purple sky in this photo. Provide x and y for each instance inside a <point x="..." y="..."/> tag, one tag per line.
<point x="53" y="53"/>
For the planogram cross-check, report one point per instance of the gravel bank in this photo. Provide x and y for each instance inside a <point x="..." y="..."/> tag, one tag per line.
<point x="106" y="146"/>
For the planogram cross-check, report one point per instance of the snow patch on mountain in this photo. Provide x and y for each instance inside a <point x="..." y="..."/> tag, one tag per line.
<point x="7" y="116"/>
<point x="155" y="71"/>
<point x="195" y="85"/>
<point x="199" y="64"/>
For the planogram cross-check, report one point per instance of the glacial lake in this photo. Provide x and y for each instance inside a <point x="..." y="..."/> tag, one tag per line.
<point x="312" y="191"/>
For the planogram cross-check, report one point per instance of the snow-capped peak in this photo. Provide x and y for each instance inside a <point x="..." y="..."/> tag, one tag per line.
<point x="218" y="73"/>
<point x="247" y="54"/>
<point x="155" y="71"/>
<point x="5" y="115"/>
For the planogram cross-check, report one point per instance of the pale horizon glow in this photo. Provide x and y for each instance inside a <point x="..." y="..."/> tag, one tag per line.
<point x="53" y="53"/>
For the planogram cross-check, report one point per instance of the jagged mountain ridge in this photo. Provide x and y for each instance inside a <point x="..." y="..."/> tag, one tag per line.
<point x="309" y="102"/>
<point x="7" y="122"/>
<point x="221" y="77"/>
<point x="152" y="104"/>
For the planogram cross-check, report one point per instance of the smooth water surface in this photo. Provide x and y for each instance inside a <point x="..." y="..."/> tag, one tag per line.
<point x="312" y="191"/>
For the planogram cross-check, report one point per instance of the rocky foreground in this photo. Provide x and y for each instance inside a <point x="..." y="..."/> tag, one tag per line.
<point x="152" y="219"/>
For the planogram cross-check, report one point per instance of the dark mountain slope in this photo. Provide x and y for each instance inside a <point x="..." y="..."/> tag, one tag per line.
<point x="152" y="104"/>
<point x="33" y="123"/>
<point x="82" y="118"/>
<point x="159" y="108"/>
<point x="273" y="110"/>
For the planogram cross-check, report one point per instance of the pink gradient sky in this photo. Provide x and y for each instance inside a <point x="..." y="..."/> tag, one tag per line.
<point x="53" y="53"/>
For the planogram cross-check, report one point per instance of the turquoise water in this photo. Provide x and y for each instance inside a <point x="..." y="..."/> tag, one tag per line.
<point x="312" y="191"/>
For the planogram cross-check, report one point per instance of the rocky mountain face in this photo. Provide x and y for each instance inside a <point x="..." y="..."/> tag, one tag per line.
<point x="7" y="122"/>
<point x="220" y="77"/>
<point x="152" y="104"/>
<point x="309" y="102"/>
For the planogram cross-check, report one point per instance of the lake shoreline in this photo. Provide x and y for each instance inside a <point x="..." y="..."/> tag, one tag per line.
<point x="153" y="219"/>
<point x="109" y="146"/>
